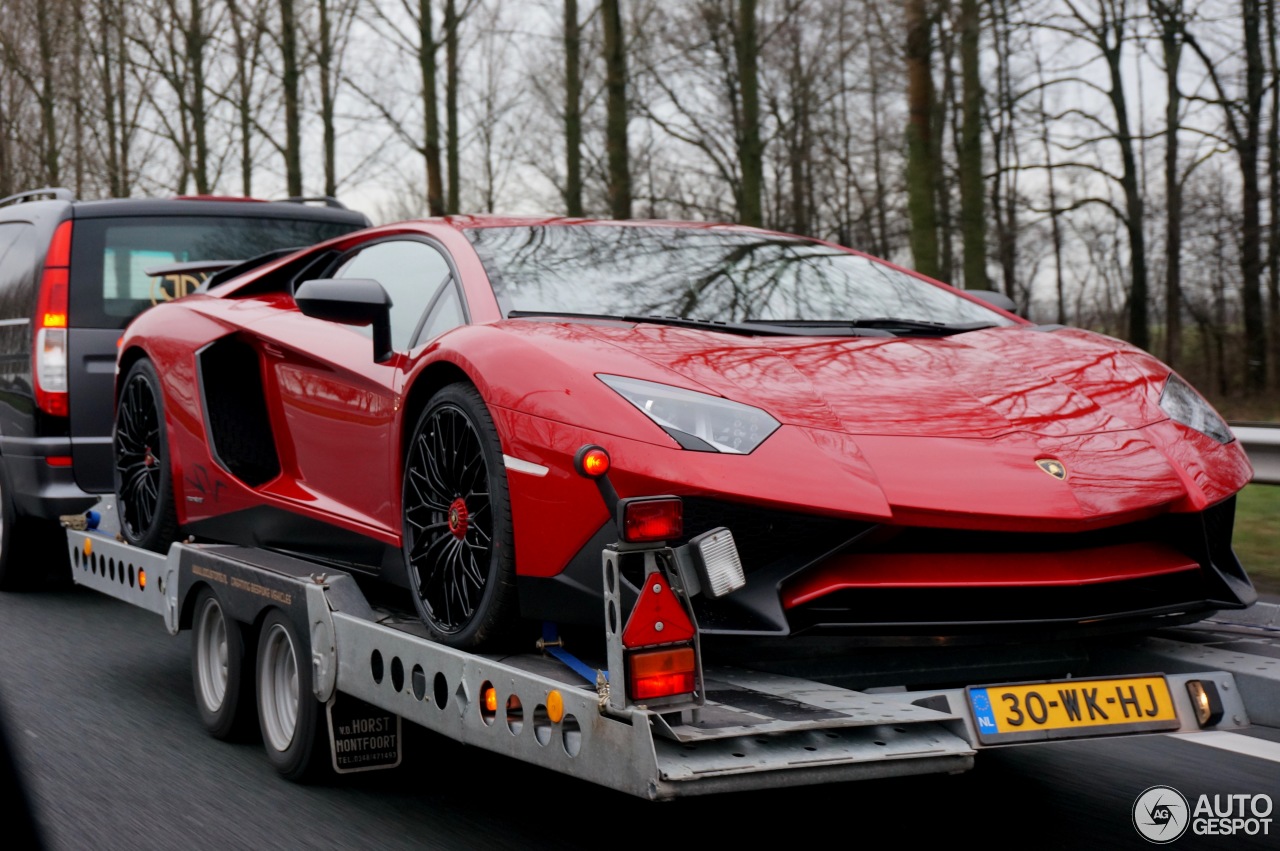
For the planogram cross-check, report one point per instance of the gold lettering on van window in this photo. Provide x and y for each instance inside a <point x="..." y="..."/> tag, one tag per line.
<point x="176" y="285"/>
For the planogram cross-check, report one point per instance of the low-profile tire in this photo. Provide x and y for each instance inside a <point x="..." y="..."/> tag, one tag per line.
<point x="144" y="470"/>
<point x="289" y="716"/>
<point x="219" y="669"/>
<point x="456" y="523"/>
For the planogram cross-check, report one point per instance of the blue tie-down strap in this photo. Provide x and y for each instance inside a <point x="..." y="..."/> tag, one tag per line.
<point x="551" y="645"/>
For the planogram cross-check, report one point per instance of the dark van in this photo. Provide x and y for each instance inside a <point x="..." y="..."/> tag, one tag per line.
<point x="72" y="275"/>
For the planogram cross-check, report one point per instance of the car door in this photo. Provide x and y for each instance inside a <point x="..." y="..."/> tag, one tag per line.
<point x="336" y="407"/>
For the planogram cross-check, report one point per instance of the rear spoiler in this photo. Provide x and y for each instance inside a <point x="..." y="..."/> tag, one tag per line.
<point x="191" y="267"/>
<point x="218" y="271"/>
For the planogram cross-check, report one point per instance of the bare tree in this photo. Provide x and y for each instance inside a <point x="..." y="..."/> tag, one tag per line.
<point x="921" y="153"/>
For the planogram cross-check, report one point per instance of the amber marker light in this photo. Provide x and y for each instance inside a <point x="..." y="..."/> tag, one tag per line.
<point x="88" y="546"/>
<point x="555" y="706"/>
<point x="142" y="579"/>
<point x="490" y="699"/>
<point x="591" y="461"/>
<point x="1205" y="701"/>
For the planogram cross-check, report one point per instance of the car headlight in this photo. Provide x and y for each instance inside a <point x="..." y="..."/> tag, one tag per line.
<point x="697" y="421"/>
<point x="1185" y="405"/>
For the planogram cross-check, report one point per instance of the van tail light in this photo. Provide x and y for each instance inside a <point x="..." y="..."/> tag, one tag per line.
<point x="49" y="355"/>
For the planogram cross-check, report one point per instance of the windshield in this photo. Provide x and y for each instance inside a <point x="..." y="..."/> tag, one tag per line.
<point x="712" y="275"/>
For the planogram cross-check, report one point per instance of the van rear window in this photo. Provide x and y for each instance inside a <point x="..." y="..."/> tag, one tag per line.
<point x="111" y="256"/>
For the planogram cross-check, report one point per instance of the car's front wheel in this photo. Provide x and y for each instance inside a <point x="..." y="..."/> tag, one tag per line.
<point x="457" y="521"/>
<point x="144" y="483"/>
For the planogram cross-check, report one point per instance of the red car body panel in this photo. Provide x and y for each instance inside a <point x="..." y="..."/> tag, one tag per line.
<point x="938" y="432"/>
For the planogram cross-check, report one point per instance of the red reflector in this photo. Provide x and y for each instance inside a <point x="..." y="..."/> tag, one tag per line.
<point x="658" y="617"/>
<point x="661" y="673"/>
<point x="652" y="520"/>
<point x="54" y="404"/>
<point x="58" y="460"/>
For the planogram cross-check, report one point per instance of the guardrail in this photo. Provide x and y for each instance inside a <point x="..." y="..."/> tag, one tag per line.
<point x="1262" y="444"/>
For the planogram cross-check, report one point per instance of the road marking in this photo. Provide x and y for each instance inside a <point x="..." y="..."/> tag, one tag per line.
<point x="1234" y="742"/>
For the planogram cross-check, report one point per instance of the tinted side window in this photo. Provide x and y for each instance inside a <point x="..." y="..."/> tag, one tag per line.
<point x="411" y="272"/>
<point x="19" y="254"/>
<point x="17" y="270"/>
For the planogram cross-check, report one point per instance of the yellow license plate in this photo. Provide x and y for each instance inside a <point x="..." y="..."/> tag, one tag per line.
<point x="1067" y="709"/>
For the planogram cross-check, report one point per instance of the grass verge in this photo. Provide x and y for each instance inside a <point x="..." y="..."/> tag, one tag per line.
<point x="1257" y="535"/>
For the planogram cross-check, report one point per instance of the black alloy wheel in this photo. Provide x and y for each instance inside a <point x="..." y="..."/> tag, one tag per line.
<point x="144" y="486"/>
<point x="457" y="521"/>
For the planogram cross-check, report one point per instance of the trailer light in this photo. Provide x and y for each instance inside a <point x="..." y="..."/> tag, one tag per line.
<point x="58" y="460"/>
<point x="555" y="706"/>
<point x="142" y="579"/>
<point x="661" y="673"/>
<point x="591" y="461"/>
<point x="1206" y="702"/>
<point x="658" y="617"/>
<point x="650" y="519"/>
<point x="490" y="699"/>
<point x="716" y="556"/>
<point x="88" y="546"/>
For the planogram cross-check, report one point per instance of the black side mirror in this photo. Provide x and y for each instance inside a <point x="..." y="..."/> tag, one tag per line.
<point x="995" y="299"/>
<point x="351" y="301"/>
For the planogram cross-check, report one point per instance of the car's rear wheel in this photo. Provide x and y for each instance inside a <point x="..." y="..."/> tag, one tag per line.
<point x="457" y="521"/>
<point x="144" y="483"/>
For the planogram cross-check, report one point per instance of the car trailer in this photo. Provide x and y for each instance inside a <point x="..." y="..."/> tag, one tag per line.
<point x="333" y="678"/>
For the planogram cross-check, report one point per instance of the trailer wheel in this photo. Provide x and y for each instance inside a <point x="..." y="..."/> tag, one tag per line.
<point x="456" y="525"/>
<point x="144" y="473"/>
<point x="218" y="668"/>
<point x="288" y="714"/>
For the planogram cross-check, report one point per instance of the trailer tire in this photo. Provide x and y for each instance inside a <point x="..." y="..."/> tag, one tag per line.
<point x="288" y="715"/>
<point x="219" y="669"/>
<point x="144" y="470"/>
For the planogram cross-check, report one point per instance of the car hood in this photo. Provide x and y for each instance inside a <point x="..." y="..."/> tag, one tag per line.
<point x="890" y="426"/>
<point x="981" y="384"/>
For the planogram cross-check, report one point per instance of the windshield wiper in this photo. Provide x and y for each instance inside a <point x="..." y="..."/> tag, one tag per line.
<point x="746" y="328"/>
<point x="887" y="324"/>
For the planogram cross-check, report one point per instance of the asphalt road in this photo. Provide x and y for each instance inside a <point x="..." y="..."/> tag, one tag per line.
<point x="98" y="702"/>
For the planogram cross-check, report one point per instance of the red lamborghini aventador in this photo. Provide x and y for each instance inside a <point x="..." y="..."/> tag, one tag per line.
<point x="895" y="458"/>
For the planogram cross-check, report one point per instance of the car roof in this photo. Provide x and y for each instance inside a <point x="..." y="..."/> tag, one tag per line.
<point x="210" y="206"/>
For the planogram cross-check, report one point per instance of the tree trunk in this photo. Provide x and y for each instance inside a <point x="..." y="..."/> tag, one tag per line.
<point x="195" y="39"/>
<point x="615" y="60"/>
<point x="431" y="121"/>
<point x="973" y="222"/>
<point x="291" y="80"/>
<point x="451" y="103"/>
<point x="920" y="153"/>
<point x="1255" y="332"/>
<point x="572" y="110"/>
<point x="1169" y="17"/>
<point x="750" y="147"/>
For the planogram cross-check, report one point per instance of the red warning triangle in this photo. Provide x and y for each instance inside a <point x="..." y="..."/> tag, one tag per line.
<point x="658" y="617"/>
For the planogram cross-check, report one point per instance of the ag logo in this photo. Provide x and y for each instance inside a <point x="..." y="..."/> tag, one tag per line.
<point x="1161" y="814"/>
<point x="1053" y="467"/>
